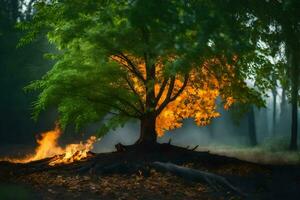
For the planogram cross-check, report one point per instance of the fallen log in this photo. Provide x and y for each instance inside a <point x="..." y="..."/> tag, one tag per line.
<point x="213" y="180"/>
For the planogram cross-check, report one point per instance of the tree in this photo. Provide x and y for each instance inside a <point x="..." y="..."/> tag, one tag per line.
<point x="279" y="28"/>
<point x="284" y="117"/>
<point x="252" y="127"/>
<point x="274" y="95"/>
<point x="241" y="111"/>
<point x="156" y="61"/>
<point x="18" y="66"/>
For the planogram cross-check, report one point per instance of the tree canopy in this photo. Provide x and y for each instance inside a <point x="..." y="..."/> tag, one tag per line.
<point x="159" y="60"/>
<point x="18" y="66"/>
<point x="276" y="24"/>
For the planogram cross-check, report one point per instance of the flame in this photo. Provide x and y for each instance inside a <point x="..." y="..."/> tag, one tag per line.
<point x="48" y="147"/>
<point x="74" y="152"/>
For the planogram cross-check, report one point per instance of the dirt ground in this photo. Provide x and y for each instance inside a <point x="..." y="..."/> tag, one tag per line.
<point x="268" y="182"/>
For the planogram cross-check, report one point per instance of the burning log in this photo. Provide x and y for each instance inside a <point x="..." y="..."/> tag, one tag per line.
<point x="48" y="148"/>
<point x="64" y="159"/>
<point x="75" y="152"/>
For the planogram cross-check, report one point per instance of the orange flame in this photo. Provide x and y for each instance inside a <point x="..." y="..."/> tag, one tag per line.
<point x="48" y="147"/>
<point x="74" y="152"/>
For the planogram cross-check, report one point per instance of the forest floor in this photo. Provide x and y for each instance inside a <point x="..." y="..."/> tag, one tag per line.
<point x="255" y="180"/>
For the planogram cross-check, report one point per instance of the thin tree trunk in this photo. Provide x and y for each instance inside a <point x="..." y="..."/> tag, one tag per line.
<point x="15" y="14"/>
<point x="283" y="104"/>
<point x="274" y="92"/>
<point x="295" y="79"/>
<point x="251" y="127"/>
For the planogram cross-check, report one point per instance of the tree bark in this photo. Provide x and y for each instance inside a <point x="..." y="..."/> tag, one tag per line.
<point x="292" y="54"/>
<point x="252" y="127"/>
<point x="148" y="133"/>
<point x="283" y="104"/>
<point x="215" y="181"/>
<point x="295" y="86"/>
<point x="274" y="92"/>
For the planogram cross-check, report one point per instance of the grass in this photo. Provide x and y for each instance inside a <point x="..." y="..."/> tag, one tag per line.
<point x="271" y="151"/>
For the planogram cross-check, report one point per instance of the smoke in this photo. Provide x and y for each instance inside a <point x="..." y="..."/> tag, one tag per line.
<point x="221" y="136"/>
<point x="224" y="136"/>
<point x="126" y="135"/>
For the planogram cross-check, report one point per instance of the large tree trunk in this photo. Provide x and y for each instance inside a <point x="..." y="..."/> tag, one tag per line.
<point x="252" y="127"/>
<point x="148" y="133"/>
<point x="295" y="79"/>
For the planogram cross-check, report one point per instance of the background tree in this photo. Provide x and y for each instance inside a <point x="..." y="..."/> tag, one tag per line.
<point x="274" y="95"/>
<point x="252" y="126"/>
<point x="245" y="110"/>
<point x="278" y="25"/>
<point x="156" y="61"/>
<point x="18" y="66"/>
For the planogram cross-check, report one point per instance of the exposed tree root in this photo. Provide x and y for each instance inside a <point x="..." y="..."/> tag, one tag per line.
<point x="216" y="182"/>
<point x="141" y="159"/>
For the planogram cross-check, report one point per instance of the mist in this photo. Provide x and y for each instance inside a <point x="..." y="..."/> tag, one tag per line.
<point x="223" y="135"/>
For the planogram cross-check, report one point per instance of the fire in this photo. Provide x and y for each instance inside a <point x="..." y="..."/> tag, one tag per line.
<point x="48" y="147"/>
<point x="74" y="152"/>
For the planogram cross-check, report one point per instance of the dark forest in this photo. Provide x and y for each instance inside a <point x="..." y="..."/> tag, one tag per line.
<point x="140" y="99"/>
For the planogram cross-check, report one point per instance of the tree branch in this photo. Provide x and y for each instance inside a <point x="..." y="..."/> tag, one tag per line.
<point x="135" y="92"/>
<point x="186" y="78"/>
<point x="168" y="97"/>
<point x="110" y="105"/>
<point x="124" y="111"/>
<point x="133" y="67"/>
<point x="123" y="64"/>
<point x="161" y="90"/>
<point x="126" y="103"/>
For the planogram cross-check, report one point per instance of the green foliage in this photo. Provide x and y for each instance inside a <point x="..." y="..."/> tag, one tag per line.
<point x="18" y="66"/>
<point x="86" y="85"/>
<point x="275" y="36"/>
<point x="277" y="25"/>
<point x="83" y="88"/>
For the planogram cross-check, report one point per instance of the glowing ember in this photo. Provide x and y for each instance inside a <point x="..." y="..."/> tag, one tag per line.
<point x="48" y="147"/>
